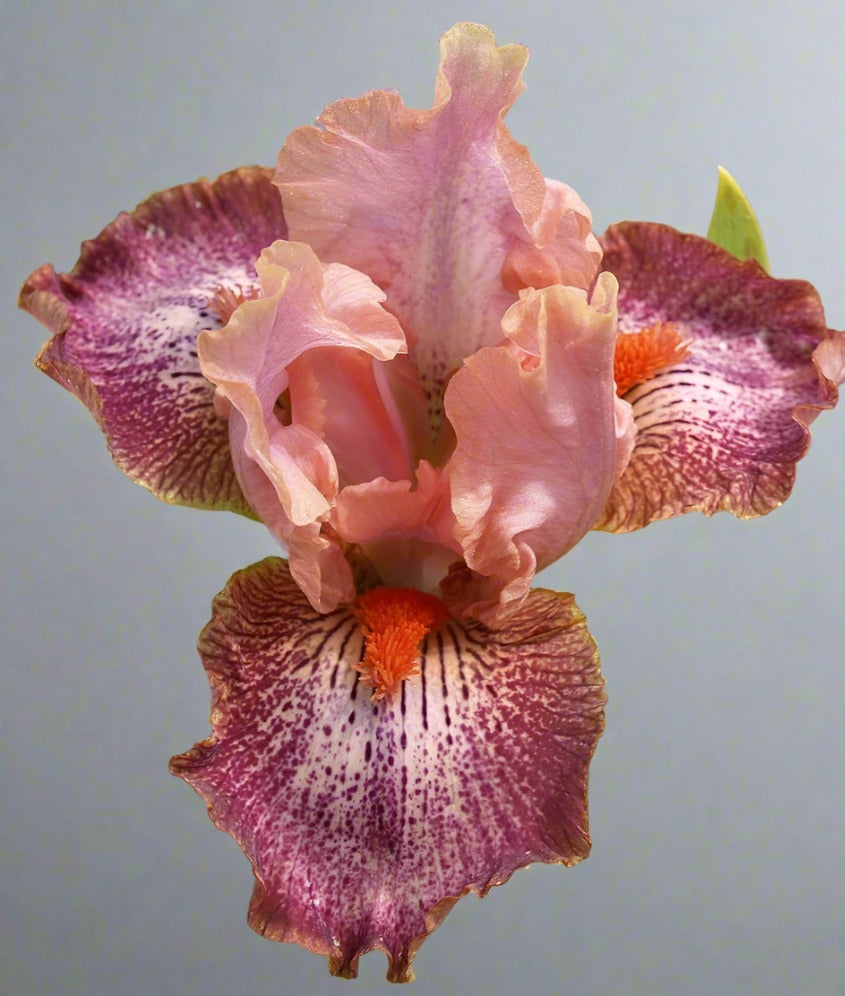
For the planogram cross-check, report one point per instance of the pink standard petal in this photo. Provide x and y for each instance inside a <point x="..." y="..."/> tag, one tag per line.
<point x="724" y="429"/>
<point x="317" y="561"/>
<point x="365" y="821"/>
<point x="304" y="305"/>
<point x="541" y="437"/>
<point x="434" y="205"/>
<point x="406" y="532"/>
<point x="125" y="324"/>
<point x="830" y="357"/>
<point x="343" y="395"/>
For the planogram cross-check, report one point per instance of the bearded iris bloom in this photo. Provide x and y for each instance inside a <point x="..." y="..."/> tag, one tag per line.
<point x="405" y="352"/>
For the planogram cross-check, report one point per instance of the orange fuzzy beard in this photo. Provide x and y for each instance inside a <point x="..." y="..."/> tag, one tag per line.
<point x="641" y="355"/>
<point x="394" y="622"/>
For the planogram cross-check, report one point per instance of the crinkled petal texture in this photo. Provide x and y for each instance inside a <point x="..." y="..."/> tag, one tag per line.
<point x="366" y="820"/>
<point x="125" y="324"/>
<point x="531" y="476"/>
<point x="406" y="532"/>
<point x="442" y="208"/>
<point x="290" y="339"/>
<point x="723" y="429"/>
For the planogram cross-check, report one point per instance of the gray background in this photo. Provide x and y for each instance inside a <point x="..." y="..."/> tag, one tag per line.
<point x="716" y="796"/>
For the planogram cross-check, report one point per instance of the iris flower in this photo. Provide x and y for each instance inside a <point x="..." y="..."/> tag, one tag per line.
<point x="405" y="352"/>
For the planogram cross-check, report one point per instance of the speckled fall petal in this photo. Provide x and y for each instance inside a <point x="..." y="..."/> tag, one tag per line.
<point x="125" y="324"/>
<point x="366" y="820"/>
<point x="724" y="428"/>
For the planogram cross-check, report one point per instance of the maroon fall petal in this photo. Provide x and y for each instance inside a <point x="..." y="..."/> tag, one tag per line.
<point x="126" y="319"/>
<point x="366" y="820"/>
<point x="723" y="429"/>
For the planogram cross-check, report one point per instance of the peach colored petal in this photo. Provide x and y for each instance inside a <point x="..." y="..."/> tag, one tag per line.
<point x="406" y="531"/>
<point x="434" y="205"/>
<point x="317" y="562"/>
<point x="531" y="477"/>
<point x="342" y="396"/>
<point x="304" y="304"/>
<point x="830" y="357"/>
<point x="563" y="259"/>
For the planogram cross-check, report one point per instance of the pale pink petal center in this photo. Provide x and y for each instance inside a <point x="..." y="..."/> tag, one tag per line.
<point x="405" y="530"/>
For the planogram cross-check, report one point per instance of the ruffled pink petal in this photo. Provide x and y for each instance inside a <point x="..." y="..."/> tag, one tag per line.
<point x="723" y="429"/>
<point x="125" y="324"/>
<point x="406" y="531"/>
<point x="438" y="206"/>
<point x="830" y="357"/>
<point x="366" y="820"/>
<point x="304" y="305"/>
<point x="563" y="260"/>
<point x="317" y="561"/>
<point x="343" y="396"/>
<point x="540" y="439"/>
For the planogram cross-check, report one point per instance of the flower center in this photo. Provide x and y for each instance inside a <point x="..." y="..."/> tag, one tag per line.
<point x="641" y="355"/>
<point x="394" y="622"/>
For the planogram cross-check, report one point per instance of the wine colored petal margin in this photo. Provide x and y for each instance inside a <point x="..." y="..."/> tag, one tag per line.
<point x="126" y="319"/>
<point x="722" y="430"/>
<point x="366" y="821"/>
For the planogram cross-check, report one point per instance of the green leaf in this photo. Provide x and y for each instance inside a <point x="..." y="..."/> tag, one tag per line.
<point x="734" y="225"/>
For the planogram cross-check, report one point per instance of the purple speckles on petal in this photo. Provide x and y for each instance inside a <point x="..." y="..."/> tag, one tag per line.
<point x="724" y="429"/>
<point x="125" y="324"/>
<point x="366" y="820"/>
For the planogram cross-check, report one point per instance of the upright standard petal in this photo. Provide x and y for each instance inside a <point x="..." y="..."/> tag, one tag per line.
<point x="723" y="428"/>
<point x="366" y="818"/>
<point x="531" y="477"/>
<point x="405" y="529"/>
<point x="126" y="319"/>
<point x="260" y="363"/>
<point x="442" y="208"/>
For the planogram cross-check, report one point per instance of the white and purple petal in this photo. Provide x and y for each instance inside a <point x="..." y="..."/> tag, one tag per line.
<point x="125" y="323"/>
<point x="723" y="429"/>
<point x="366" y="820"/>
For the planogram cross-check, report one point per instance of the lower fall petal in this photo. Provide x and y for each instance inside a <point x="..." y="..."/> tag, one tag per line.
<point x="724" y="428"/>
<point x="125" y="323"/>
<point x="366" y="819"/>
